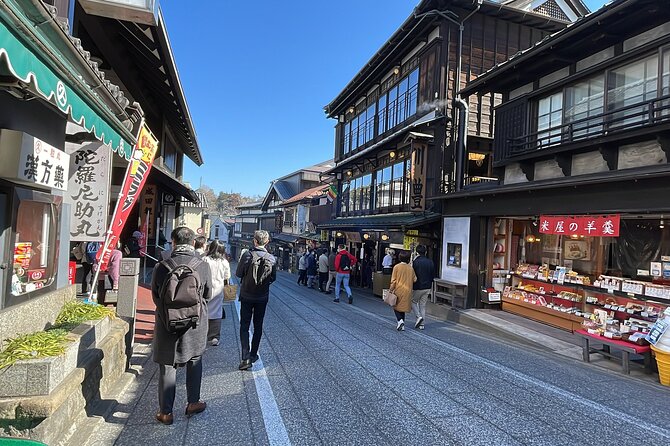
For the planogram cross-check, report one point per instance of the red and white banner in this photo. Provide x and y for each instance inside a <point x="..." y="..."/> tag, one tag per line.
<point x="136" y="176"/>
<point x="587" y="225"/>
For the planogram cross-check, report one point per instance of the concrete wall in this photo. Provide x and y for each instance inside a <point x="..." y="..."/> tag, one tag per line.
<point x="35" y="314"/>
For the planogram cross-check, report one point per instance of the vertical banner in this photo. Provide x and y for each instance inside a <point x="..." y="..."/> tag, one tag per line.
<point x="144" y="238"/>
<point x="88" y="192"/>
<point x="149" y="198"/>
<point x="136" y="176"/>
<point x="417" y="197"/>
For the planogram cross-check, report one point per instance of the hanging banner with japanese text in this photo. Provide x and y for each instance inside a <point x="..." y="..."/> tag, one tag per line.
<point x="136" y="176"/>
<point x="149" y="197"/>
<point x="586" y="225"/>
<point x="88" y="192"/>
<point x="417" y="197"/>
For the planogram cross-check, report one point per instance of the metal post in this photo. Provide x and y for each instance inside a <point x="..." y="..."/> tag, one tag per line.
<point x="126" y="305"/>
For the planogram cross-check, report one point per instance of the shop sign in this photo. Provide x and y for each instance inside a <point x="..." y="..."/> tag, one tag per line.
<point x="324" y="235"/>
<point x="583" y="225"/>
<point x="136" y="175"/>
<point x="279" y="221"/>
<point x="148" y="201"/>
<point x="23" y="252"/>
<point x="36" y="275"/>
<point x="417" y="197"/>
<point x="302" y="218"/>
<point x="88" y="192"/>
<point x="411" y="239"/>
<point x="43" y="164"/>
<point x="657" y="331"/>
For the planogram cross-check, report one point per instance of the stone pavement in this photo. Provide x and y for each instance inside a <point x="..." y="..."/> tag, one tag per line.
<point x="342" y="374"/>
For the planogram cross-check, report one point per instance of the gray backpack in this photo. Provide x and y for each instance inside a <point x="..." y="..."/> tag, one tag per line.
<point x="181" y="293"/>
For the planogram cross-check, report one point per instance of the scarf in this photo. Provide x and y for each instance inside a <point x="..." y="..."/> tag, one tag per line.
<point x="189" y="249"/>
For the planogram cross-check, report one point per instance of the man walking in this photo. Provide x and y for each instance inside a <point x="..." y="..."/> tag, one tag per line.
<point x="344" y="262"/>
<point x="302" y="269"/>
<point x="332" y="272"/>
<point x="180" y="332"/>
<point x="425" y="273"/>
<point x="323" y="269"/>
<point x="257" y="270"/>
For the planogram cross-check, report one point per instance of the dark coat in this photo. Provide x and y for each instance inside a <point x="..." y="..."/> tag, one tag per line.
<point x="312" y="265"/>
<point x="425" y="273"/>
<point x="257" y="293"/>
<point x="172" y="348"/>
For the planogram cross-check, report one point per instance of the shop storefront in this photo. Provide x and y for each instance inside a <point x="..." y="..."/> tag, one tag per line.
<point x="563" y="269"/>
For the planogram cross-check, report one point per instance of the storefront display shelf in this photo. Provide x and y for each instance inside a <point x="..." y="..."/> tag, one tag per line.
<point x="636" y="315"/>
<point x="549" y="316"/>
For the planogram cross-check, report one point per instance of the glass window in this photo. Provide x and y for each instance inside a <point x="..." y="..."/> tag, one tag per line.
<point x="384" y="187"/>
<point x="413" y="93"/>
<point x="398" y="180"/>
<point x="582" y="101"/>
<point x="361" y="129"/>
<point x="35" y="247"/>
<point x="365" y="192"/>
<point x="549" y="120"/>
<point x="381" y="110"/>
<point x="355" y="195"/>
<point x="354" y="133"/>
<point x="170" y="156"/>
<point x="347" y="137"/>
<point x="402" y="100"/>
<point x="392" y="107"/>
<point x="665" y="83"/>
<point x="370" y="124"/>
<point x="345" y="197"/>
<point x="630" y="85"/>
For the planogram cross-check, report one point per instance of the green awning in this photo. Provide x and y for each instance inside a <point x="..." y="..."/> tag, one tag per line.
<point x="21" y="59"/>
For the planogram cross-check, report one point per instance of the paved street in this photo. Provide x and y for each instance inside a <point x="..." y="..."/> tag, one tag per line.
<point x="341" y="374"/>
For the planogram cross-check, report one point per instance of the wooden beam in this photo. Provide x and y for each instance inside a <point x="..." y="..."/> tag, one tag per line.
<point x="610" y="154"/>
<point x="564" y="161"/>
<point x="528" y="168"/>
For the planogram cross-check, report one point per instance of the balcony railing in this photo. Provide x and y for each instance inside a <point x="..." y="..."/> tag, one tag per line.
<point x="613" y="122"/>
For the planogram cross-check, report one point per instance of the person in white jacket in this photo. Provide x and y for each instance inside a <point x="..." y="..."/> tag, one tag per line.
<point x="216" y="259"/>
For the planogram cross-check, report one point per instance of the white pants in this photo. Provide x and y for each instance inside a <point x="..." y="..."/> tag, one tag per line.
<point x="419" y="299"/>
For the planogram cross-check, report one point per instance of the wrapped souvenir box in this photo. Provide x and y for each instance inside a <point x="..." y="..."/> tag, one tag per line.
<point x="654" y="290"/>
<point x="632" y="286"/>
<point x="610" y="283"/>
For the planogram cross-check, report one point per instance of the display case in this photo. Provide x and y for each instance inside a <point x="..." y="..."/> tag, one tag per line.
<point x="500" y="254"/>
<point x="567" y="305"/>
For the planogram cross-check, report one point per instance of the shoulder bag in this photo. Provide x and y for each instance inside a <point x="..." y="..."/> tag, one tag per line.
<point x="390" y="297"/>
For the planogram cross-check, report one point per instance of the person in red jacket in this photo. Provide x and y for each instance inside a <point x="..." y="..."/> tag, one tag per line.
<point x="344" y="262"/>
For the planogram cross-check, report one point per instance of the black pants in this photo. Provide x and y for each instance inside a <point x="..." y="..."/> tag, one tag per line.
<point x="323" y="278"/>
<point x="399" y="314"/>
<point x="302" y="277"/>
<point x="247" y="311"/>
<point x="86" y="267"/>
<point x="167" y="384"/>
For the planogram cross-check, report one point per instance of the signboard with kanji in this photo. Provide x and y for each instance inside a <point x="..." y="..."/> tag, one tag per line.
<point x="88" y="192"/>
<point x="417" y="196"/>
<point x="148" y="200"/>
<point x="586" y="225"/>
<point x="43" y="164"/>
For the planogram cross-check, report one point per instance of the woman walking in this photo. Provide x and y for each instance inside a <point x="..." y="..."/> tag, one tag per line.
<point x="402" y="282"/>
<point x="220" y="268"/>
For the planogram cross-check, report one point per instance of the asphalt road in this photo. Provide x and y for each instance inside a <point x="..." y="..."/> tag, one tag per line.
<point x="340" y="374"/>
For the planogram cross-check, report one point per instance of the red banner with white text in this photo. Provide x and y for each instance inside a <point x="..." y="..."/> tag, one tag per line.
<point x="586" y="225"/>
<point x="136" y="176"/>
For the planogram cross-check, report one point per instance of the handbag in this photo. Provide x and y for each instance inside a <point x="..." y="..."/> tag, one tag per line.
<point x="229" y="293"/>
<point x="389" y="297"/>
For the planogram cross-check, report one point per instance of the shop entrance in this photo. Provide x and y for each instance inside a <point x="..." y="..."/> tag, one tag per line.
<point x="4" y="233"/>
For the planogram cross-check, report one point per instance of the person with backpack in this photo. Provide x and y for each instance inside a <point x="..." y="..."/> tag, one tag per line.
<point x="256" y="270"/>
<point x="344" y="262"/>
<point x="180" y="288"/>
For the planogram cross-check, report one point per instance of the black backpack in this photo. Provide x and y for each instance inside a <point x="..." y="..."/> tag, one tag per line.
<point x="181" y="293"/>
<point x="345" y="262"/>
<point x="259" y="272"/>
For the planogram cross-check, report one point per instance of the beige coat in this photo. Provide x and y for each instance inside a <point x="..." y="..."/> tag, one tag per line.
<point x="402" y="281"/>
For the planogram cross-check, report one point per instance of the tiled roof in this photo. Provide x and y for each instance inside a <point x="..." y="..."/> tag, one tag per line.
<point x="201" y="204"/>
<point x="309" y="193"/>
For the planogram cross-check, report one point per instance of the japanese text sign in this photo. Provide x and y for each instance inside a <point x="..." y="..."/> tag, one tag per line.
<point x="417" y="196"/>
<point x="43" y="164"/>
<point x="149" y="197"/>
<point x="88" y="192"/>
<point x="136" y="175"/>
<point x="586" y="225"/>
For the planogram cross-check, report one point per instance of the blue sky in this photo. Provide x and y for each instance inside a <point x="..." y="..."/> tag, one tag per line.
<point x="257" y="77"/>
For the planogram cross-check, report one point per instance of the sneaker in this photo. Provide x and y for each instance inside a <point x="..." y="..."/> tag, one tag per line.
<point x="245" y="364"/>
<point x="351" y="300"/>
<point x="336" y="300"/>
<point x="401" y="325"/>
<point x="419" y="322"/>
<point x="421" y="327"/>
<point x="214" y="342"/>
<point x="254" y="358"/>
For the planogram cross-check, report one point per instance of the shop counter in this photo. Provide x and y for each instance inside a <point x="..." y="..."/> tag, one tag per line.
<point x="380" y="282"/>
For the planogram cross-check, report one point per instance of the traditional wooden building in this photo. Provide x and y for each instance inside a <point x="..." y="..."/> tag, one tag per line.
<point x="396" y="121"/>
<point x="580" y="161"/>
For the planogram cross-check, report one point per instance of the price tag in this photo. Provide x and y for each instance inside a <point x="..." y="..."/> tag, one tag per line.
<point x="657" y="331"/>
<point x="608" y="306"/>
<point x="630" y="311"/>
<point x="644" y="314"/>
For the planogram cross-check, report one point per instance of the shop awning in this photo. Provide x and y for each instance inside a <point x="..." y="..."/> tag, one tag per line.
<point x="384" y="221"/>
<point x="287" y="238"/>
<point x="28" y="60"/>
<point x="165" y="179"/>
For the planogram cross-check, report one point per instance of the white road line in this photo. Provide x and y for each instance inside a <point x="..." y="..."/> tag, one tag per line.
<point x="274" y="424"/>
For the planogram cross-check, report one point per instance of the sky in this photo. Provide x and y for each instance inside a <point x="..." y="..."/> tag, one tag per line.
<point x="257" y="75"/>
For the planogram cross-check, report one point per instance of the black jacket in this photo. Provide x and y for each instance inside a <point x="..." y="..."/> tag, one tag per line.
<point x="425" y="273"/>
<point x="253" y="293"/>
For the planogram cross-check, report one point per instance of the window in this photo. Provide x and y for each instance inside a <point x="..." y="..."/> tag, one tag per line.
<point x="381" y="114"/>
<point x="402" y="100"/>
<point x="216" y="232"/>
<point x="347" y="137"/>
<point x="366" y="192"/>
<point x="582" y="101"/>
<point x="238" y="227"/>
<point x="549" y="119"/>
<point x="392" y="107"/>
<point x="170" y="155"/>
<point x="398" y="179"/>
<point x="354" y="195"/>
<point x="35" y="247"/>
<point x="384" y="187"/>
<point x="413" y="92"/>
<point x="665" y="83"/>
<point x="345" y="197"/>
<point x="630" y="85"/>
<point x="370" y="123"/>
